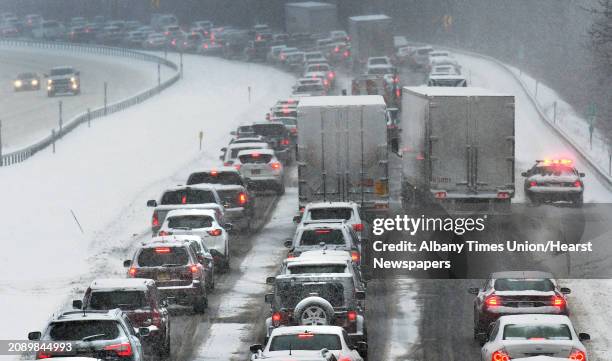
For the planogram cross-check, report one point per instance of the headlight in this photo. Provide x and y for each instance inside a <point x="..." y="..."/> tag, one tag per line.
<point x="49" y="81"/>
<point x="49" y="87"/>
<point x="72" y="79"/>
<point x="34" y="82"/>
<point x="75" y="85"/>
<point x="18" y="83"/>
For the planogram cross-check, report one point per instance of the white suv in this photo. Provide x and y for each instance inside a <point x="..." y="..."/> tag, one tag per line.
<point x="261" y="168"/>
<point x="350" y="212"/>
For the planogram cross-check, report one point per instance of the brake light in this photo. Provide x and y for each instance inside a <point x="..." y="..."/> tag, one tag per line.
<point x="305" y="335"/>
<point x="344" y="359"/>
<point x="205" y="46"/>
<point x="493" y="301"/>
<point x="194" y="268"/>
<point x="398" y="93"/>
<point x="440" y="195"/>
<point x="322" y="231"/>
<point x="237" y="166"/>
<point x="255" y="155"/>
<point x="174" y="42"/>
<point x="577" y="184"/>
<point x="355" y="256"/>
<point x="533" y="184"/>
<point x="358" y="227"/>
<point x="331" y="75"/>
<point x="215" y="232"/>
<point x="156" y="318"/>
<point x="285" y="142"/>
<point x="337" y="49"/>
<point x="242" y="198"/>
<point x="121" y="349"/>
<point x="155" y="220"/>
<point x="577" y="355"/>
<point x="503" y="195"/>
<point x="290" y="255"/>
<point x="347" y="54"/>
<point x="275" y="165"/>
<point x="276" y="318"/>
<point x="132" y="272"/>
<point x="351" y="316"/>
<point x="500" y="355"/>
<point x="184" y="199"/>
<point x="42" y="354"/>
<point x="162" y="250"/>
<point x="301" y="209"/>
<point x="558" y="301"/>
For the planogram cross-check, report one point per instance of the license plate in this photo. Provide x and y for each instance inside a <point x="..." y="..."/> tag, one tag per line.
<point x="163" y="277"/>
<point x="525" y="304"/>
<point x="255" y="171"/>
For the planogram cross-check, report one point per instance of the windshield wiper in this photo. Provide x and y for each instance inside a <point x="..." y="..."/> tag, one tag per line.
<point x="93" y="337"/>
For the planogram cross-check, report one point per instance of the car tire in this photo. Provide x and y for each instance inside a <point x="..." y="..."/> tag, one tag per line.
<point x="314" y="311"/>
<point x="578" y="201"/>
<point x="280" y="189"/>
<point x="164" y="350"/>
<point x="201" y="304"/>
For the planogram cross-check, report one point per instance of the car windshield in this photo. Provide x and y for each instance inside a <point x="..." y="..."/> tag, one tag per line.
<point x="125" y="300"/>
<point x="537" y="332"/>
<point x="61" y="71"/>
<point x="84" y="330"/>
<point x="309" y="88"/>
<point x="188" y="196"/>
<point x="318" y="268"/>
<point x="306" y="342"/>
<point x="235" y="151"/>
<point x="554" y="171"/>
<point x="163" y="256"/>
<point x="190" y="222"/>
<point x="509" y="284"/>
<point x="269" y="130"/>
<point x="215" y="178"/>
<point x="317" y="67"/>
<point x="330" y="213"/>
<point x="255" y="158"/>
<point x="313" y="237"/>
<point x="378" y="61"/>
<point x="291" y="293"/>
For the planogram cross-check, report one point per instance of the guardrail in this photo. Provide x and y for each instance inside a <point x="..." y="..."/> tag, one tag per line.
<point x="600" y="172"/>
<point x="26" y="152"/>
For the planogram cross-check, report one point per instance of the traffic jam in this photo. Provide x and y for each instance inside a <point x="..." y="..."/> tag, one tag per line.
<point x="354" y="113"/>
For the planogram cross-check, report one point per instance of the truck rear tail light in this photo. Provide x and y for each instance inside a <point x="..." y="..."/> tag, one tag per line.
<point x="503" y="195"/>
<point x="215" y="232"/>
<point x="242" y="198"/>
<point x="493" y="301"/>
<point x="121" y="349"/>
<point x="133" y="271"/>
<point x="440" y="195"/>
<point x="355" y="256"/>
<point x="358" y="227"/>
<point x="275" y="165"/>
<point x="558" y="301"/>
<point x="285" y="142"/>
<point x="155" y="220"/>
<point x="351" y="316"/>
<point x="500" y="355"/>
<point x="577" y="355"/>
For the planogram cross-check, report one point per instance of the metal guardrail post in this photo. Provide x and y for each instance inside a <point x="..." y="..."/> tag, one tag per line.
<point x="1" y="158"/>
<point x="105" y="97"/>
<point x="53" y="139"/>
<point x="61" y="120"/>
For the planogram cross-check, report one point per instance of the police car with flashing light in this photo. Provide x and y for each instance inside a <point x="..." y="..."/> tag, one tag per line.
<point x="555" y="180"/>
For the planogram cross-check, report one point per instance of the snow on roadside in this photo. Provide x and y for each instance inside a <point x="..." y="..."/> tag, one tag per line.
<point x="102" y="177"/>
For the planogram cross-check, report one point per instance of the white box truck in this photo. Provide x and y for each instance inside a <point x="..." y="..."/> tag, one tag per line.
<point x="371" y="35"/>
<point x="342" y="151"/>
<point x="310" y="17"/>
<point x="457" y="148"/>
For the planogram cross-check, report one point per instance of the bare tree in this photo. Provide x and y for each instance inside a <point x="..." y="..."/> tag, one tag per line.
<point x="601" y="31"/>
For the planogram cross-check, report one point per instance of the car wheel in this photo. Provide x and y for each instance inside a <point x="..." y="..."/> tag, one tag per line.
<point x="281" y="189"/>
<point x="164" y="350"/>
<point x="201" y="304"/>
<point x="578" y="201"/>
<point x="314" y="311"/>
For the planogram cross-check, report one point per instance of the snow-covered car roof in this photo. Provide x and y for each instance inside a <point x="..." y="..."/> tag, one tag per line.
<point x="80" y="315"/>
<point x="326" y="254"/>
<point x="335" y="101"/>
<point x="139" y="284"/>
<point x="191" y="212"/>
<point x="294" y="330"/>
<point x="313" y="75"/>
<point x="246" y="145"/>
<point x="453" y="91"/>
<point x="533" y="319"/>
<point x="522" y="274"/>
<point x="216" y="169"/>
<point x="446" y="76"/>
<point x="204" y="187"/>
<point x="257" y="151"/>
<point x="226" y="187"/>
<point x="334" y="224"/>
<point x="255" y="139"/>
<point x="320" y="277"/>
<point x="331" y="205"/>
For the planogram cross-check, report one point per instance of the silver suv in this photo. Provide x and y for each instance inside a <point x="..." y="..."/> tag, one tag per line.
<point x="332" y="235"/>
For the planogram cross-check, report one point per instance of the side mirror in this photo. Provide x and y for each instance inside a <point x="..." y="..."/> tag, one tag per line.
<point x="269" y="298"/>
<point x="33" y="336"/>
<point x="362" y="348"/>
<point x="360" y="295"/>
<point x="297" y="219"/>
<point x="151" y="203"/>
<point x="144" y="331"/>
<point x="256" y="348"/>
<point x="565" y="290"/>
<point x="482" y="338"/>
<point x="473" y="290"/>
<point x="582" y="175"/>
<point x="78" y="304"/>
<point x="288" y="243"/>
<point x="270" y="280"/>
<point x="523" y="174"/>
<point x="228" y="226"/>
<point x="127" y="263"/>
<point x="584" y="337"/>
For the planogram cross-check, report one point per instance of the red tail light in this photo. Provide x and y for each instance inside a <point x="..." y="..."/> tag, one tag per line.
<point x="344" y="359"/>
<point x="500" y="355"/>
<point x="355" y="256"/>
<point x="533" y="184"/>
<point x="440" y="195"/>
<point x="132" y="272"/>
<point x="347" y="54"/>
<point x="337" y="49"/>
<point x="174" y="42"/>
<point x="194" y="268"/>
<point x="577" y="355"/>
<point x="285" y="142"/>
<point x="162" y="249"/>
<point x="242" y="198"/>
<point x="42" y="354"/>
<point x="558" y="301"/>
<point x="155" y="220"/>
<point x="184" y="199"/>
<point x="237" y="166"/>
<point x="215" y="232"/>
<point x="205" y="46"/>
<point x="577" y="184"/>
<point x="167" y="33"/>
<point x="358" y="227"/>
<point x="121" y="349"/>
<point x="331" y="75"/>
<point x="503" y="195"/>
<point x="301" y="209"/>
<point x="276" y="318"/>
<point x="290" y="255"/>
<point x="351" y="316"/>
<point x="306" y="335"/>
<point x="398" y="93"/>
<point x="275" y="165"/>
<point x="156" y="318"/>
<point x="493" y="301"/>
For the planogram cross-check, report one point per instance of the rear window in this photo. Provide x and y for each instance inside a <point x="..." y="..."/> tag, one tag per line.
<point x="255" y="158"/>
<point x="189" y="222"/>
<point x="330" y="213"/>
<point x="163" y="256"/>
<point x="84" y="330"/>
<point x="423" y="51"/>
<point x="269" y="130"/>
<point x="379" y="61"/>
<point x="226" y="178"/>
<point x="555" y="171"/>
<point x="306" y="342"/>
<point x="302" y="269"/>
<point x="380" y="71"/>
<point x="229" y="197"/>
<point x="537" y="332"/>
<point x="235" y="151"/>
<point x="508" y="284"/>
<point x="188" y="196"/>
<point x="316" y="236"/>
<point x="447" y="82"/>
<point x="125" y="300"/>
<point x="318" y="67"/>
<point x="309" y="88"/>
<point x="291" y="293"/>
